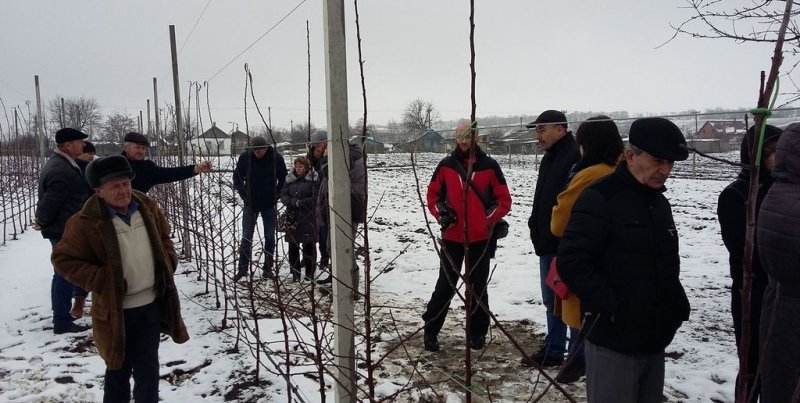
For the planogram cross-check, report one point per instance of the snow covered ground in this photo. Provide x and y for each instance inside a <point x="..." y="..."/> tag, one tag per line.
<point x="38" y="366"/>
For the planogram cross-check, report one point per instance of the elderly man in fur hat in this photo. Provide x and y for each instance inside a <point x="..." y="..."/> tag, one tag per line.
<point x="118" y="247"/>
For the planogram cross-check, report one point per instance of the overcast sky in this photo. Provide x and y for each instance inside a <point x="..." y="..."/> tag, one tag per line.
<point x="530" y="56"/>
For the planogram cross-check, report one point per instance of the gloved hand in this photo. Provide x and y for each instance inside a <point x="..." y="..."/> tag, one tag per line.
<point x="447" y="217"/>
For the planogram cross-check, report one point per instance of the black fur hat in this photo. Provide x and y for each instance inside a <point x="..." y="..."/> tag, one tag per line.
<point x="103" y="169"/>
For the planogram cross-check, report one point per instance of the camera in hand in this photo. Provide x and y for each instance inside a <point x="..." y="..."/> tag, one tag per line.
<point x="447" y="217"/>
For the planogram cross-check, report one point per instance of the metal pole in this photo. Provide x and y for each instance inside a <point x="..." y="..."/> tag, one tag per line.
<point x="40" y="121"/>
<point x="155" y="109"/>
<point x="149" y="122"/>
<point x="339" y="196"/>
<point x="176" y="86"/>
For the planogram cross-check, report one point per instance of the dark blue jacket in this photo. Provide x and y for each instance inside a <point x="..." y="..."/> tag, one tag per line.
<point x="259" y="181"/>
<point x="148" y="174"/>
<point x="552" y="179"/>
<point x="62" y="191"/>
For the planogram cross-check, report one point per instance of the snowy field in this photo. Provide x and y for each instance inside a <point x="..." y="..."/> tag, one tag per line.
<point x="38" y="366"/>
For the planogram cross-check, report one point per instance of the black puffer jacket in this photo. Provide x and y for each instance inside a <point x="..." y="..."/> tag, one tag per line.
<point x="299" y="195"/>
<point x="732" y="215"/>
<point x="259" y="180"/>
<point x="778" y="230"/>
<point x="619" y="255"/>
<point x="61" y="192"/>
<point x="778" y="235"/>
<point x="552" y="179"/>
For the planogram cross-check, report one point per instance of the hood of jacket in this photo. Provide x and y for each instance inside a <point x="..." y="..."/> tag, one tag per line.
<point x="787" y="156"/>
<point x="749" y="139"/>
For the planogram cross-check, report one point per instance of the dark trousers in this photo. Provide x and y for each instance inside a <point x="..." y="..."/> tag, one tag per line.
<point x="309" y="258"/>
<point x="61" y="292"/>
<point x="756" y="297"/>
<point x="249" y="218"/>
<point x="142" y="332"/>
<point x="453" y="255"/>
<point x="322" y="236"/>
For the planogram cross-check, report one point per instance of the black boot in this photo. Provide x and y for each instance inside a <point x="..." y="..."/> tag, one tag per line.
<point x="431" y="342"/>
<point x="295" y="273"/>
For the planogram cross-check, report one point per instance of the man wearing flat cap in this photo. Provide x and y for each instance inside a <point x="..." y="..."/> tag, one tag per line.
<point x="258" y="178"/>
<point x="619" y="255"/>
<point x="148" y="174"/>
<point x="61" y="193"/>
<point x="119" y="248"/>
<point x="560" y="154"/>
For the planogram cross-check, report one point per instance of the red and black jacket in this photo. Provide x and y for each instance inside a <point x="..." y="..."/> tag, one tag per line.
<point x="447" y="188"/>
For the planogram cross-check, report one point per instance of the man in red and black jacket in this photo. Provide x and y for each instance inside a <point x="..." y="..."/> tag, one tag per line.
<point x="446" y="203"/>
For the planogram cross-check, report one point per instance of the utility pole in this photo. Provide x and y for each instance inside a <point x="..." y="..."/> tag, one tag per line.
<point x="40" y="121"/>
<point x="176" y="86"/>
<point x="342" y="256"/>
<point x="155" y="109"/>
<point x="149" y="122"/>
<point x="141" y="122"/>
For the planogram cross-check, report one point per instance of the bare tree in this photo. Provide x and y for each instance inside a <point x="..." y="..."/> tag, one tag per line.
<point x="78" y="113"/>
<point x="117" y="125"/>
<point x="358" y="127"/>
<point x="420" y="115"/>
<point x="749" y="21"/>
<point x="299" y="133"/>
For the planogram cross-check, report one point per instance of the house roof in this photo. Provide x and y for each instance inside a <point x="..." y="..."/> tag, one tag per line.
<point x="238" y="134"/>
<point x="214" y="133"/>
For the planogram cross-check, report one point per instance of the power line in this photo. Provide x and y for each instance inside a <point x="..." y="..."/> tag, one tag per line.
<point x="194" y="26"/>
<point x="257" y="40"/>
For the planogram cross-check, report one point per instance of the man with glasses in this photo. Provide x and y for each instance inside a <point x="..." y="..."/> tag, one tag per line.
<point x="560" y="154"/>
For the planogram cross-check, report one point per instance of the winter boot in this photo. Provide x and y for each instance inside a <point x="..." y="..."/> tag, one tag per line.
<point x="431" y="341"/>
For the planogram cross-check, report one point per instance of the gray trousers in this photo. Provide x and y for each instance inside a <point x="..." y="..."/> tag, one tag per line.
<point x="623" y="378"/>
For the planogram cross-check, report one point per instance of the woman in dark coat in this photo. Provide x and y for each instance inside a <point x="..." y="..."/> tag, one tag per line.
<point x="778" y="237"/>
<point x="299" y="195"/>
<point x="732" y="220"/>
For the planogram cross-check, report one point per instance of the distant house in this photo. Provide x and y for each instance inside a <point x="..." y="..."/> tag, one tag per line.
<point x="513" y="141"/>
<point x="724" y="130"/>
<point x="213" y="141"/>
<point x="372" y="146"/>
<point x="239" y="142"/>
<point x="430" y="141"/>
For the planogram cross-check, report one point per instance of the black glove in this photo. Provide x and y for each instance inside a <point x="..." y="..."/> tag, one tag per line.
<point x="447" y="216"/>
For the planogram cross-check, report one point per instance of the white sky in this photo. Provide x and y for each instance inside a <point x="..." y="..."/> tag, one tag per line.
<point x="530" y="56"/>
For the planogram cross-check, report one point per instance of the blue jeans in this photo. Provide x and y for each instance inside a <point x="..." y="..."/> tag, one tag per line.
<point x="556" y="340"/>
<point x="61" y="292"/>
<point x="249" y="217"/>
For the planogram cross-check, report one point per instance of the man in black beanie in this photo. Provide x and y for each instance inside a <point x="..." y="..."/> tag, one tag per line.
<point x="619" y="255"/>
<point x="148" y="174"/>
<point x="61" y="193"/>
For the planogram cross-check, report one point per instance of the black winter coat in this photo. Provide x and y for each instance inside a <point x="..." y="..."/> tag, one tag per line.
<point x="299" y="195"/>
<point x="61" y="192"/>
<point x="358" y="187"/>
<point x="619" y="255"/>
<point x="552" y="179"/>
<point x="259" y="180"/>
<point x="148" y="174"/>
<point x="778" y="233"/>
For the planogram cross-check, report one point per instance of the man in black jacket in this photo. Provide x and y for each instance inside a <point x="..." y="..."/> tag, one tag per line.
<point x="258" y="178"/>
<point x="732" y="221"/>
<point x="560" y="154"/>
<point x="62" y="192"/>
<point x="148" y="174"/>
<point x="619" y="255"/>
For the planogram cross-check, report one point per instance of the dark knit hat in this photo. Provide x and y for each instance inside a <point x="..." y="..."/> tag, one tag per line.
<point x="549" y="117"/>
<point x="659" y="137"/>
<point x="69" y="134"/>
<point x="137" y="138"/>
<point x="103" y="169"/>
<point x="319" y="136"/>
<point x="88" y="147"/>
<point x="259" y="142"/>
